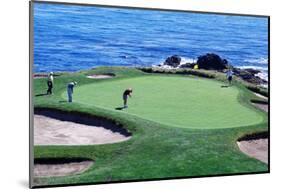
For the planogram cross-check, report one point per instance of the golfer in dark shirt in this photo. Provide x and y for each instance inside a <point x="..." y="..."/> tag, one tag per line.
<point x="229" y="74"/>
<point x="126" y="93"/>
<point x="70" y="87"/>
<point x="50" y="83"/>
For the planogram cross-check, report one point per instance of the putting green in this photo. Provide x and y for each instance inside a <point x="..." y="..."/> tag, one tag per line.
<point x="173" y="100"/>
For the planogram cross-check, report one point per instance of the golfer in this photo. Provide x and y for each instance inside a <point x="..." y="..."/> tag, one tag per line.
<point x="126" y="93"/>
<point x="70" y="87"/>
<point x="229" y="74"/>
<point x="50" y="83"/>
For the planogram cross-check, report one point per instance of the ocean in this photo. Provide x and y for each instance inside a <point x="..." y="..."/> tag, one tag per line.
<point x="72" y="38"/>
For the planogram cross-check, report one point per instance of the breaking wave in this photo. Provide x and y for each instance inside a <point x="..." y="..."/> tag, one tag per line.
<point x="257" y="60"/>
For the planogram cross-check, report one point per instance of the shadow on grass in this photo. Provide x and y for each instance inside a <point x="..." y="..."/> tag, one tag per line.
<point x="119" y="108"/>
<point x="224" y="86"/>
<point x="43" y="94"/>
<point x="63" y="101"/>
<point x="59" y="160"/>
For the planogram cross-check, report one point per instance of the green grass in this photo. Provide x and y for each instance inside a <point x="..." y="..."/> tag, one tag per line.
<point x="174" y="101"/>
<point x="155" y="150"/>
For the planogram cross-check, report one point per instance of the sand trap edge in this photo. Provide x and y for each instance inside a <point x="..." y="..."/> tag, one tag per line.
<point x="261" y="96"/>
<point x="88" y="121"/>
<point x="101" y="76"/>
<point x="57" y="167"/>
<point x="43" y="75"/>
<point x="255" y="145"/>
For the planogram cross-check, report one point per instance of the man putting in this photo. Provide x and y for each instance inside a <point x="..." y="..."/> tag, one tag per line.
<point x="126" y="93"/>
<point x="70" y="87"/>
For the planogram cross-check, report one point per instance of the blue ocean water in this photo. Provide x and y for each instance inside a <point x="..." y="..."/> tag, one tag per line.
<point x="71" y="37"/>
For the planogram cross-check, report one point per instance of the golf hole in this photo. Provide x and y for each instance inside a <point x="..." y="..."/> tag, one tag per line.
<point x="255" y="145"/>
<point x="55" y="127"/>
<point x="53" y="167"/>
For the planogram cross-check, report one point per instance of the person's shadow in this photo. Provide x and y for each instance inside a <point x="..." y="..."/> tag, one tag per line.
<point x="63" y="101"/>
<point x="43" y="94"/>
<point x="224" y="86"/>
<point x="119" y="108"/>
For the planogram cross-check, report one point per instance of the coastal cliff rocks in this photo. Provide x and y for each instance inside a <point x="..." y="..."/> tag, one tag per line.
<point x="211" y="61"/>
<point x="173" y="61"/>
<point x="187" y="65"/>
<point x="249" y="75"/>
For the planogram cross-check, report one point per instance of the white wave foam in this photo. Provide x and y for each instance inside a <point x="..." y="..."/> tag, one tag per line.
<point x="257" y="60"/>
<point x="263" y="75"/>
<point x="184" y="60"/>
<point x="254" y="67"/>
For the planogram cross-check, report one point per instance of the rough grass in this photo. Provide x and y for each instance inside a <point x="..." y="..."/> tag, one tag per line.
<point x="155" y="151"/>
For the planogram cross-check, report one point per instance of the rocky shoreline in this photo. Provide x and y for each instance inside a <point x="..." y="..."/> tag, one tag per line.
<point x="214" y="62"/>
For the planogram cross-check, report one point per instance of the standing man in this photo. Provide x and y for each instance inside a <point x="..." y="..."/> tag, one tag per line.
<point x="126" y="93"/>
<point x="50" y="83"/>
<point x="70" y="87"/>
<point x="229" y="74"/>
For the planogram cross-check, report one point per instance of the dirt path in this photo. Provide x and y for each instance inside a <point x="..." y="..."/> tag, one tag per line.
<point x="62" y="129"/>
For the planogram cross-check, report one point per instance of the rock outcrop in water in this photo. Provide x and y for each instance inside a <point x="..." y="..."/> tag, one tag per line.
<point x="249" y="75"/>
<point x="173" y="61"/>
<point x="212" y="61"/>
<point x="187" y="65"/>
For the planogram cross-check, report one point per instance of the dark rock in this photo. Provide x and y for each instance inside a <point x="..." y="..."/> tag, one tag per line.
<point x="173" y="61"/>
<point x="212" y="61"/>
<point x="187" y="65"/>
<point x="252" y="71"/>
<point x="249" y="75"/>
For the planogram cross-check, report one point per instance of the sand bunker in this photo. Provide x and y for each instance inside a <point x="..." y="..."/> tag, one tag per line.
<point x="261" y="96"/>
<point x="52" y="127"/>
<point x="39" y="75"/>
<point x="100" y="76"/>
<point x="263" y="107"/>
<point x="60" y="167"/>
<point x="261" y="104"/>
<point x="255" y="146"/>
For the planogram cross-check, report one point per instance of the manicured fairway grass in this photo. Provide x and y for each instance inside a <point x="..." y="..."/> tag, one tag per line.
<point x="157" y="149"/>
<point x="174" y="101"/>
